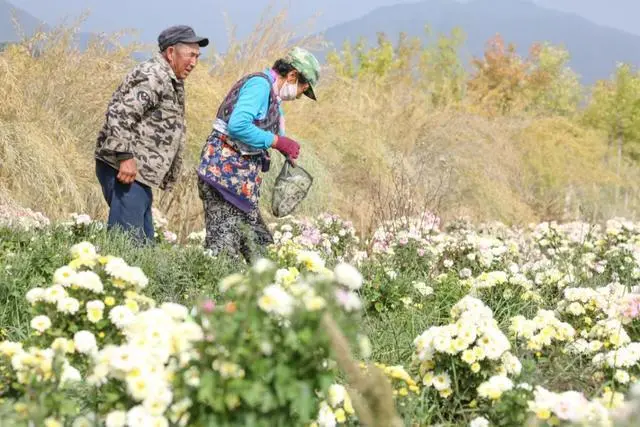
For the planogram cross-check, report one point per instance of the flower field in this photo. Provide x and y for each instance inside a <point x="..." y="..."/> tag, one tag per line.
<point x="418" y="324"/>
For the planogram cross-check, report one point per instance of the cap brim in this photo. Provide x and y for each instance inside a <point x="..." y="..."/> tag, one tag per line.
<point x="201" y="41"/>
<point x="310" y="93"/>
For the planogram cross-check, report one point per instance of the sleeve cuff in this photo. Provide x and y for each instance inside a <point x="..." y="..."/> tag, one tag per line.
<point x="268" y="142"/>
<point x="123" y="156"/>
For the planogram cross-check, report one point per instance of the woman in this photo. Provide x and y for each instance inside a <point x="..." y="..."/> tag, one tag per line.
<point x="249" y="122"/>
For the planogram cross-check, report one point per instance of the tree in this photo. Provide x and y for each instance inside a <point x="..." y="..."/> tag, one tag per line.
<point x="553" y="88"/>
<point x="442" y="74"/>
<point x="499" y="80"/>
<point x="615" y="110"/>
<point x="4" y="45"/>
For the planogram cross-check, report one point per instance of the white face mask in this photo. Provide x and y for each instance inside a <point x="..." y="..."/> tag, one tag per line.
<point x="288" y="91"/>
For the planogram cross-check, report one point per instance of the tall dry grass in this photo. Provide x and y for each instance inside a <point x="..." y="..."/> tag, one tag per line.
<point x="373" y="145"/>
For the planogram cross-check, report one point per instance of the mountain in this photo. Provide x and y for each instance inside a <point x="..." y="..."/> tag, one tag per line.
<point x="594" y="49"/>
<point x="27" y="22"/>
<point x="27" y="25"/>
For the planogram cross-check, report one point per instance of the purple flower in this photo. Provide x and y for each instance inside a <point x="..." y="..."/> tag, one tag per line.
<point x="208" y="306"/>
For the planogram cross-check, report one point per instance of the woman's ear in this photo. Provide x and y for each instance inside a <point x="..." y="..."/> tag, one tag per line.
<point x="292" y="76"/>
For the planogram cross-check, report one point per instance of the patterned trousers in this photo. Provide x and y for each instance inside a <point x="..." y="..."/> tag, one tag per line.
<point x="231" y="230"/>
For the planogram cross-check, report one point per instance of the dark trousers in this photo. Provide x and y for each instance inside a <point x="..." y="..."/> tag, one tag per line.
<point x="229" y="229"/>
<point x="129" y="204"/>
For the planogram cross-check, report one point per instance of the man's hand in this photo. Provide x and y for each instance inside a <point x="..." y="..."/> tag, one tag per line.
<point x="128" y="171"/>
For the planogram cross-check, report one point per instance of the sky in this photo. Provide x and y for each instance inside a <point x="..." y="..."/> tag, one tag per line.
<point x="621" y="14"/>
<point x="206" y="16"/>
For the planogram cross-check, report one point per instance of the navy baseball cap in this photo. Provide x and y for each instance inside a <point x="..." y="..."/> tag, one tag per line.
<point x="180" y="34"/>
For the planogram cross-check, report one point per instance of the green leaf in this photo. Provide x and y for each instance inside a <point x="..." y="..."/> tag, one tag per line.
<point x="283" y="381"/>
<point x="209" y="392"/>
<point x="254" y="395"/>
<point x="303" y="401"/>
<point x="305" y="336"/>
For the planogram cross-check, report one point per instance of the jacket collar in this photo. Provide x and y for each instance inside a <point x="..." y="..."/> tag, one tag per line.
<point x="164" y="65"/>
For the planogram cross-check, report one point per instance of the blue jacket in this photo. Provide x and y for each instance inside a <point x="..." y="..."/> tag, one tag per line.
<point x="253" y="103"/>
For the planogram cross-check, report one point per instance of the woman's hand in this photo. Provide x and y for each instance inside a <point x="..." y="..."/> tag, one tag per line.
<point x="288" y="147"/>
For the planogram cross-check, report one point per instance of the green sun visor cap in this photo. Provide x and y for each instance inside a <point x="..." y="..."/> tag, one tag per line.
<point x="307" y="65"/>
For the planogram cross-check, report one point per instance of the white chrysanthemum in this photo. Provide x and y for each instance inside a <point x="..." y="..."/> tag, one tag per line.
<point x="336" y="395"/>
<point x="81" y="219"/>
<point x="124" y="358"/>
<point x="83" y="421"/>
<point x="157" y="403"/>
<point x="230" y="281"/>
<point x="364" y="344"/>
<point x="274" y="299"/>
<point x="116" y="419"/>
<point x="311" y="261"/>
<point x="35" y="295"/>
<point x="41" y="323"/>
<point x="190" y="331"/>
<point x="494" y="387"/>
<point x="622" y="377"/>
<point x="441" y="381"/>
<point x="161" y="421"/>
<point x="84" y="250"/>
<point x="85" y="342"/>
<point x="569" y="406"/>
<point x="116" y="267"/>
<point x="54" y="293"/>
<point x="479" y="422"/>
<point x="142" y="386"/>
<point x="9" y="348"/>
<point x="326" y="418"/>
<point x="576" y="309"/>
<point x="314" y="303"/>
<point x="263" y="265"/>
<point x="68" y="305"/>
<point x="348" y="276"/>
<point x="349" y="301"/>
<point x="63" y="345"/>
<point x="511" y="364"/>
<point x="176" y="311"/>
<point x="95" y="311"/>
<point x="136" y="277"/>
<point x="286" y="276"/>
<point x="52" y="422"/>
<point x="465" y="273"/>
<point x="70" y="375"/>
<point x="99" y="376"/>
<point x="121" y="316"/>
<point x="423" y="289"/>
<point x="88" y="280"/>
<point x="138" y="417"/>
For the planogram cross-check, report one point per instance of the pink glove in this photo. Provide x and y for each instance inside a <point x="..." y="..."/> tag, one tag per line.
<point x="288" y="147"/>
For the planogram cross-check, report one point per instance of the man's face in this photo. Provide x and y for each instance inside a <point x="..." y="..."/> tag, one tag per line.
<point x="183" y="58"/>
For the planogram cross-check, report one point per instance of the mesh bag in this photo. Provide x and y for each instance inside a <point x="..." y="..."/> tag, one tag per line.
<point x="291" y="187"/>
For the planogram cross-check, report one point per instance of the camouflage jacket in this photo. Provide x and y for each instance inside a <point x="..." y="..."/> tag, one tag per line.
<point x="145" y="120"/>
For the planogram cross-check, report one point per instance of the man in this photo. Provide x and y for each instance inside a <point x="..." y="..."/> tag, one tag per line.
<point x="142" y="141"/>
